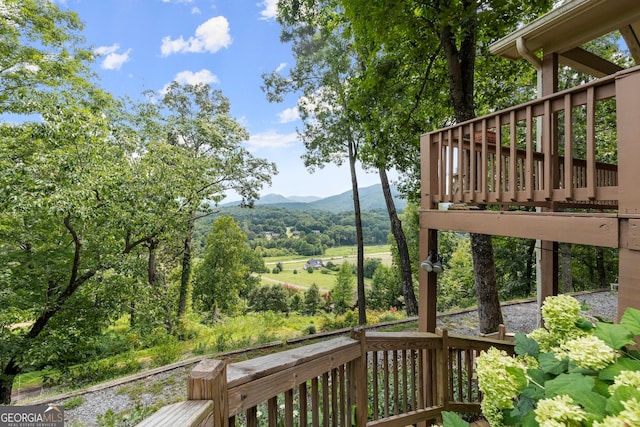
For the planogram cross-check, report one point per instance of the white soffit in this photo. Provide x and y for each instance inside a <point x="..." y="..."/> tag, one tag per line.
<point x="570" y="26"/>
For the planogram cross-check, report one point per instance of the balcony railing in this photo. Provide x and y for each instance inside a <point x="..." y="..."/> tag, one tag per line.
<point x="560" y="150"/>
<point x="368" y="379"/>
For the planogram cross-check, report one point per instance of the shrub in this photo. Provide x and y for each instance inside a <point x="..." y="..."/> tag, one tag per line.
<point x="167" y="353"/>
<point x="309" y="329"/>
<point x="73" y="402"/>
<point x="571" y="373"/>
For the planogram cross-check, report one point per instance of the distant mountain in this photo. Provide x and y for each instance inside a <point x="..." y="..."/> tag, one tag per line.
<point x="304" y="199"/>
<point x="371" y="198"/>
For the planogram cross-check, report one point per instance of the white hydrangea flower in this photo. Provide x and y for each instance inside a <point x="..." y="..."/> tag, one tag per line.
<point x="560" y="313"/>
<point x="588" y="352"/>
<point x="498" y="386"/>
<point x="559" y="411"/>
<point x="630" y="416"/>
<point x="610" y="421"/>
<point x="628" y="378"/>
<point x="631" y="413"/>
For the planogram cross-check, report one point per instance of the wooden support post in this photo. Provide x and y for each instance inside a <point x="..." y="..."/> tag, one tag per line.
<point x="208" y="381"/>
<point x="430" y="150"/>
<point x="442" y="376"/>
<point x="428" y="283"/>
<point x="628" y="105"/>
<point x="547" y="281"/>
<point x="549" y="270"/>
<point x="358" y="390"/>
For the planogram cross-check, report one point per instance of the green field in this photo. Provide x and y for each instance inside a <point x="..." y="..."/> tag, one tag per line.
<point x="325" y="282"/>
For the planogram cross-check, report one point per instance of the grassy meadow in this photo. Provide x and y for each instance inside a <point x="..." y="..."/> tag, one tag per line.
<point x="294" y="275"/>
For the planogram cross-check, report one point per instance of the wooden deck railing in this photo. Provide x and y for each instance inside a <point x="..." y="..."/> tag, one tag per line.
<point x="370" y="379"/>
<point x="523" y="155"/>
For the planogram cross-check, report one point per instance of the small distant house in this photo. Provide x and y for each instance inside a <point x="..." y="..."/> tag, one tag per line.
<point x="316" y="264"/>
<point x="271" y="235"/>
<point x="295" y="234"/>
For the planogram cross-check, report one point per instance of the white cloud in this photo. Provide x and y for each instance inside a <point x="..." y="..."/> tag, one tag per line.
<point x="270" y="9"/>
<point x="191" y="78"/>
<point x="271" y="139"/>
<point x="113" y="60"/>
<point x="210" y="37"/>
<point x="289" y="115"/>
<point x="196" y="11"/>
<point x="105" y="50"/>
<point x="281" y="67"/>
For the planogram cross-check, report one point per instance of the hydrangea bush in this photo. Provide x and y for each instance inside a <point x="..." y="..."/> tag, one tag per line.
<point x="569" y="373"/>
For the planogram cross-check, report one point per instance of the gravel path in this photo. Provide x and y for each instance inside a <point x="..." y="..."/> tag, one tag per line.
<point x="523" y="317"/>
<point x="170" y="387"/>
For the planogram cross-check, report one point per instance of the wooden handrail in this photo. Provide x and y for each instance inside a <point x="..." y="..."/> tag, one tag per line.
<point x="497" y="159"/>
<point x="408" y="377"/>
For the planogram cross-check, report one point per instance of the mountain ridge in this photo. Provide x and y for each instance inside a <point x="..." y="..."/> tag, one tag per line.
<point x="371" y="198"/>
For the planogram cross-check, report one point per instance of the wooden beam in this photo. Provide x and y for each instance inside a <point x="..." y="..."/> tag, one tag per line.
<point x="584" y="229"/>
<point x="631" y="35"/>
<point x="587" y="62"/>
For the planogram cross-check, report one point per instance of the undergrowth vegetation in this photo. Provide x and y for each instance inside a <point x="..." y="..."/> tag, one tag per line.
<point x="131" y="352"/>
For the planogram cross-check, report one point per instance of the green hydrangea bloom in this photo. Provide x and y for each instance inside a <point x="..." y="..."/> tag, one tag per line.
<point x="629" y="378"/>
<point x="498" y="386"/>
<point x="588" y="352"/>
<point x="559" y="411"/>
<point x="630" y="416"/>
<point x="545" y="340"/>
<point x="560" y="313"/>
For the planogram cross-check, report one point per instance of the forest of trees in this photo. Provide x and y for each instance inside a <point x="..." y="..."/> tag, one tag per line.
<point x="108" y="206"/>
<point x="315" y="230"/>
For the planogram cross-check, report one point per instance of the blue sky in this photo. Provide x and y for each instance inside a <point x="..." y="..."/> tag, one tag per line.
<point x="146" y="44"/>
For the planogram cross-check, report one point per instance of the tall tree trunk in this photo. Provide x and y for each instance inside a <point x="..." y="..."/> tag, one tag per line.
<point x="9" y="373"/>
<point x="132" y="313"/>
<point x="160" y="291"/>
<point x="601" y="271"/>
<point x="185" y="278"/>
<point x="489" y="312"/>
<point x="461" y="70"/>
<point x="11" y="369"/>
<point x="362" y="310"/>
<point x="410" y="302"/>
<point x="565" y="267"/>
<point x="531" y="262"/>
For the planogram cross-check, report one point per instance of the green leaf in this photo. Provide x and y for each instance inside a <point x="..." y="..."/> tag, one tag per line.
<point x="551" y="365"/>
<point x="451" y="419"/>
<point x="631" y="320"/>
<point x="526" y="345"/>
<point x="518" y="375"/>
<point x="580" y="389"/>
<point x="526" y="405"/>
<point x="616" y="336"/>
<point x="568" y="384"/>
<point x="622" y="364"/>
<point x="532" y="391"/>
<point x="529" y="420"/>
<point x="622" y="394"/>
<point x="535" y="388"/>
<point x="602" y="388"/>
<point x="511" y="417"/>
<point x="584" y="324"/>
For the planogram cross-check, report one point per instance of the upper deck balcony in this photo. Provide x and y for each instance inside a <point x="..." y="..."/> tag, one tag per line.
<point x="546" y="153"/>
<point x="561" y="168"/>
